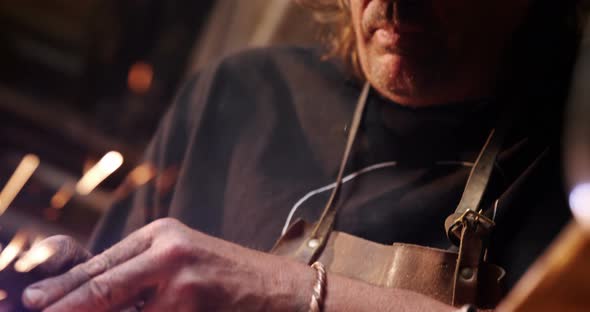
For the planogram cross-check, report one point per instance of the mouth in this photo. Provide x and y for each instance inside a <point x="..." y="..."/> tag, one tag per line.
<point x="402" y="27"/>
<point x="401" y="16"/>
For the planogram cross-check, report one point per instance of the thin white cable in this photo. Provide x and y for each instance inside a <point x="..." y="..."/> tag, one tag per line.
<point x="495" y="209"/>
<point x="352" y="176"/>
<point x="333" y="185"/>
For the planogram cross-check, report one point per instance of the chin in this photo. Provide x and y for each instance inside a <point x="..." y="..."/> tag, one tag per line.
<point x="391" y="75"/>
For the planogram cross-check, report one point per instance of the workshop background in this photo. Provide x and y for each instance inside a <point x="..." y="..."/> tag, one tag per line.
<point x="84" y="83"/>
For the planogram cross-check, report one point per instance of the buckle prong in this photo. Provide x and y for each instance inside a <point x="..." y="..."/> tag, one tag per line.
<point x="473" y="219"/>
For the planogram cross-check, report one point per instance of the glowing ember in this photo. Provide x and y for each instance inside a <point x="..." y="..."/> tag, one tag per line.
<point x="104" y="168"/>
<point x="15" y="184"/>
<point x="12" y="251"/>
<point x="32" y="258"/>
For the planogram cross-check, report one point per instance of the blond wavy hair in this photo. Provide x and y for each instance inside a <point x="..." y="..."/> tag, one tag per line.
<point x="340" y="37"/>
<point x="338" y="33"/>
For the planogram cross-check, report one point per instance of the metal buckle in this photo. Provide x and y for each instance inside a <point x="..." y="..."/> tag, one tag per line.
<point x="472" y="219"/>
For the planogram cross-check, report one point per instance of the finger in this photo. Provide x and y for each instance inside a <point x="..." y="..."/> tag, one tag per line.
<point x="120" y="287"/>
<point x="66" y="254"/>
<point x="43" y="293"/>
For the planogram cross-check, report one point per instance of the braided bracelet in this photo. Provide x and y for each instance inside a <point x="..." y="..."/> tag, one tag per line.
<point x="467" y="308"/>
<point x="319" y="289"/>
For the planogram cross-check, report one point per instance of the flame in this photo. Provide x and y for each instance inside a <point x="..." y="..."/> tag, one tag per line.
<point x="34" y="257"/>
<point x="19" y="178"/>
<point x="13" y="249"/>
<point x="104" y="168"/>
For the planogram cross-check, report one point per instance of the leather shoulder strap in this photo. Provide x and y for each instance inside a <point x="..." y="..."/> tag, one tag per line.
<point x="479" y="178"/>
<point x="312" y="247"/>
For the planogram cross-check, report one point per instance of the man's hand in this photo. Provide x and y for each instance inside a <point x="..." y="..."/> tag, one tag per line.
<point x="171" y="267"/>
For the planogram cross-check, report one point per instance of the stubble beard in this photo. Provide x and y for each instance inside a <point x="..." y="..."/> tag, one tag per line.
<point x="408" y="78"/>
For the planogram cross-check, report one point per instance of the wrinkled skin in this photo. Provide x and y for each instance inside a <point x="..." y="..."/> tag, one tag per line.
<point x="167" y="266"/>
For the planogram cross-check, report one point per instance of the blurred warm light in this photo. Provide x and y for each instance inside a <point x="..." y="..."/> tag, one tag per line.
<point x="580" y="203"/>
<point x="38" y="239"/>
<point x="104" y="168"/>
<point x="140" y="78"/>
<point x="167" y="180"/>
<point x="61" y="198"/>
<point x="13" y="249"/>
<point x="3" y="295"/>
<point x="88" y="163"/>
<point x="32" y="258"/>
<point x="19" y="178"/>
<point x="142" y="174"/>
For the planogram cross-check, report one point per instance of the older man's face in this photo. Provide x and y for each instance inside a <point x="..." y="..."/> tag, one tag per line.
<point x="423" y="52"/>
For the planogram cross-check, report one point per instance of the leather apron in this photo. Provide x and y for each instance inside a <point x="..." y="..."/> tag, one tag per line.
<point x="455" y="278"/>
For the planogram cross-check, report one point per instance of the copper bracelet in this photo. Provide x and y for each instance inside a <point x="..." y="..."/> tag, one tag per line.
<point x="468" y="308"/>
<point x="319" y="289"/>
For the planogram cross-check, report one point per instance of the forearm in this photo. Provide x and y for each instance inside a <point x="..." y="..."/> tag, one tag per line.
<point x="344" y="294"/>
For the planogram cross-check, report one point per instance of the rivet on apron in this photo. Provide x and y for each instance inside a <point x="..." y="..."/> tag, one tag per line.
<point x="466" y="273"/>
<point x="313" y="243"/>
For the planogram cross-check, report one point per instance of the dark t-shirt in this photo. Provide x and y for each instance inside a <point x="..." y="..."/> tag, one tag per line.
<point x="255" y="137"/>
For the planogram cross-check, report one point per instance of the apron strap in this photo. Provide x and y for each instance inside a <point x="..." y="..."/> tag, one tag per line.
<point x="312" y="247"/>
<point x="467" y="227"/>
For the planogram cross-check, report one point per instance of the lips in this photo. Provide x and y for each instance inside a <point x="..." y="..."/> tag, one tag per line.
<point x="402" y="27"/>
<point x="375" y="16"/>
<point x="403" y="16"/>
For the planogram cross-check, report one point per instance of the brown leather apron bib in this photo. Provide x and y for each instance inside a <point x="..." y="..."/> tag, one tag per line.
<point x="455" y="278"/>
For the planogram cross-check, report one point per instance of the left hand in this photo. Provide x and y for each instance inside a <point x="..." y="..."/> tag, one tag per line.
<point x="174" y="268"/>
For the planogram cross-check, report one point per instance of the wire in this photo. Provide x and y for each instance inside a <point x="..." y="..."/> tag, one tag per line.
<point x="352" y="176"/>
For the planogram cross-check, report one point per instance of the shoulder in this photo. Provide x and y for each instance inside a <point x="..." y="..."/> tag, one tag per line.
<point x="279" y="66"/>
<point x="260" y="78"/>
<point x="281" y="57"/>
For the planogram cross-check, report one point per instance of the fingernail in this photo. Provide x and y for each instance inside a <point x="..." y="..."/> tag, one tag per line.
<point x="33" y="297"/>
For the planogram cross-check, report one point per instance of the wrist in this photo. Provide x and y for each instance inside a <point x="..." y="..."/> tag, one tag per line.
<point x="290" y="286"/>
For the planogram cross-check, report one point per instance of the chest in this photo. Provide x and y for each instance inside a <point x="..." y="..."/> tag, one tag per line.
<point x="384" y="202"/>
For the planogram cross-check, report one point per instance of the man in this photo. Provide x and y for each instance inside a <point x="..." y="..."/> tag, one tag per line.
<point x="255" y="137"/>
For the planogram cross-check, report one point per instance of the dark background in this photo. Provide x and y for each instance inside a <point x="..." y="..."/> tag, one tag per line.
<point x="81" y="78"/>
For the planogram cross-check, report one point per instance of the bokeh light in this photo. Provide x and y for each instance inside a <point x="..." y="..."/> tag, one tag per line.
<point x="140" y="78"/>
<point x="12" y="250"/>
<point x="17" y="181"/>
<point x="579" y="200"/>
<point x="142" y="174"/>
<point x="104" y="168"/>
<point x="34" y="257"/>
